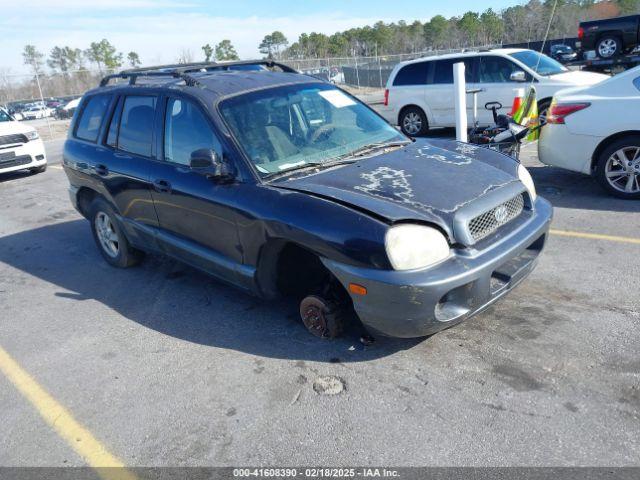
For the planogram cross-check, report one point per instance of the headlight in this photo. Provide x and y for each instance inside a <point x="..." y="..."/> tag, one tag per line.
<point x="32" y="135"/>
<point x="525" y="177"/>
<point x="415" y="246"/>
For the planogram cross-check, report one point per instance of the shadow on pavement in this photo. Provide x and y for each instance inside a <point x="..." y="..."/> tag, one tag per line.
<point x="173" y="299"/>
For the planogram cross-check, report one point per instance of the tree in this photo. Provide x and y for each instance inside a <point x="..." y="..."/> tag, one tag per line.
<point x="226" y="51"/>
<point x="65" y="59"/>
<point x="628" y="7"/>
<point x="33" y="58"/>
<point x="186" y="56"/>
<point x="208" y="52"/>
<point x="272" y="44"/>
<point x="103" y="54"/>
<point x="134" y="59"/>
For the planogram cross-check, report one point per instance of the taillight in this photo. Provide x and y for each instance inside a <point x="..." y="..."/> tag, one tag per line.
<point x="386" y="97"/>
<point x="580" y="33"/>
<point x="558" y="112"/>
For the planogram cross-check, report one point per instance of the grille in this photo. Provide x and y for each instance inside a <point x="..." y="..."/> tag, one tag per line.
<point x="13" y="139"/>
<point x="22" y="160"/>
<point x="489" y="222"/>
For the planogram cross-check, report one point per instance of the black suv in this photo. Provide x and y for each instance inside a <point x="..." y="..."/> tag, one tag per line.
<point x="280" y="183"/>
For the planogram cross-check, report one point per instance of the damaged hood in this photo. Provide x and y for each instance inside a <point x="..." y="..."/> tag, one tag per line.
<point x="425" y="181"/>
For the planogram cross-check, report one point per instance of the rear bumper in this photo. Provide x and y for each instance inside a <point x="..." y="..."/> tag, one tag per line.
<point x="422" y="302"/>
<point x="559" y="147"/>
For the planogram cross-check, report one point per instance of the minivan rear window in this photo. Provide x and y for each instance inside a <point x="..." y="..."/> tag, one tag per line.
<point x="412" y="74"/>
<point x="91" y="117"/>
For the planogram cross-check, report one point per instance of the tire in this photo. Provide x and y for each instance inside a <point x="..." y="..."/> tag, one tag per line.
<point x="618" y="179"/>
<point x="36" y="170"/>
<point x="543" y="110"/>
<point x="609" y="46"/>
<point x="413" y="122"/>
<point x="323" y="318"/>
<point x="109" y="236"/>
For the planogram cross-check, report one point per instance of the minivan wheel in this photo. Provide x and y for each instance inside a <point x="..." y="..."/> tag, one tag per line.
<point x="543" y="111"/>
<point x="618" y="168"/>
<point x="413" y="122"/>
<point x="322" y="318"/>
<point x="109" y="237"/>
<point x="41" y="169"/>
<point x="608" y="47"/>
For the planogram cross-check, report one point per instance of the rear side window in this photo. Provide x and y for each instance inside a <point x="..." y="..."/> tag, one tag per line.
<point x="136" y="125"/>
<point x="91" y="117"/>
<point x="443" y="70"/>
<point x="186" y="130"/>
<point x="412" y="74"/>
<point x="636" y="82"/>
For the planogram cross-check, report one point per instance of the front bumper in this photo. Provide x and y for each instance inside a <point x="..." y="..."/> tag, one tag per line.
<point x="26" y="155"/>
<point x="421" y="302"/>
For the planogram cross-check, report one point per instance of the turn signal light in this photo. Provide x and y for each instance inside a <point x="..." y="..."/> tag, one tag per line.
<point x="357" y="289"/>
<point x="558" y="112"/>
<point x="386" y="97"/>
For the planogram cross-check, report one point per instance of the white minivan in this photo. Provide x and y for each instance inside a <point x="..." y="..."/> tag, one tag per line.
<point x="419" y="93"/>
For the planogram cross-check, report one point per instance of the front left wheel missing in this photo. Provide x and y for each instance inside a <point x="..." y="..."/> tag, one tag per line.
<point x="322" y="318"/>
<point x="109" y="237"/>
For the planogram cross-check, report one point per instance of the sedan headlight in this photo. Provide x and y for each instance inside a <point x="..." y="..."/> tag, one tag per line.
<point x="412" y="246"/>
<point x="525" y="177"/>
<point x="33" y="135"/>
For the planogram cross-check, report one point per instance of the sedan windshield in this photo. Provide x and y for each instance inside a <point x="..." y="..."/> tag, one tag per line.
<point x="4" y="116"/>
<point x="539" y="63"/>
<point x="293" y="127"/>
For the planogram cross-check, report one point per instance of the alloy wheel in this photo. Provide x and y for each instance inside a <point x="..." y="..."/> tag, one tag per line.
<point x="622" y="170"/>
<point x="607" y="48"/>
<point x="412" y="123"/>
<point x="107" y="235"/>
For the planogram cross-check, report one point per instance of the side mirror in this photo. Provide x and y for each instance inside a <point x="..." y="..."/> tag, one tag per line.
<point x="208" y="163"/>
<point x="518" y="76"/>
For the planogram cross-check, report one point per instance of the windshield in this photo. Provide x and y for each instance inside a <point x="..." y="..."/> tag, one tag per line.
<point x="539" y="63"/>
<point x="4" y="116"/>
<point x="287" y="128"/>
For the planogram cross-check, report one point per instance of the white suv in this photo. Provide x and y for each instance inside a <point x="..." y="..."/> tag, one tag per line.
<point x="419" y="92"/>
<point x="20" y="146"/>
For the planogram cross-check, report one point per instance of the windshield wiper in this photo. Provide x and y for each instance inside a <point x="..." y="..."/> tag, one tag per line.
<point x="372" y="147"/>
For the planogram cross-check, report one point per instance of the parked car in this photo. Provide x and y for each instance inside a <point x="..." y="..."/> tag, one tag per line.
<point x="36" y="112"/>
<point x="419" y="93"/>
<point x="279" y="183"/>
<point x="610" y="37"/>
<point x="20" y="146"/>
<point x="67" y="110"/>
<point x="563" y="53"/>
<point x="596" y="130"/>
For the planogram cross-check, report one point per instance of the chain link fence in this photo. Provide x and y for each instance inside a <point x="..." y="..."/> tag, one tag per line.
<point x="357" y="72"/>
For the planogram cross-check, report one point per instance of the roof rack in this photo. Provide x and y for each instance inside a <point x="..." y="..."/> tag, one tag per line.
<point x="182" y="71"/>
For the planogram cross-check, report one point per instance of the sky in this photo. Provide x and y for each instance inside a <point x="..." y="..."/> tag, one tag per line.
<point x="158" y="30"/>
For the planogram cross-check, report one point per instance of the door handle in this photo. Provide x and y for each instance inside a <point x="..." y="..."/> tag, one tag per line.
<point x="101" y="170"/>
<point x="162" y="186"/>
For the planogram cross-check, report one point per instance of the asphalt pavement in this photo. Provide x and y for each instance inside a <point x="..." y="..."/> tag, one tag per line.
<point x="163" y="365"/>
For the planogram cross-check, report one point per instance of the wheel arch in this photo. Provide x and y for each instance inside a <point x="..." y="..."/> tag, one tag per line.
<point x="281" y="259"/>
<point x="85" y="196"/>
<point x="608" y="141"/>
<point x="425" y="110"/>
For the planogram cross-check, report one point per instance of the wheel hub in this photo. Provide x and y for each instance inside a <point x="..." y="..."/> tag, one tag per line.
<point x="313" y="313"/>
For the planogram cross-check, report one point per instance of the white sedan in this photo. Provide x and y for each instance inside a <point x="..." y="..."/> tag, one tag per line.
<point x="596" y="130"/>
<point x="36" y="112"/>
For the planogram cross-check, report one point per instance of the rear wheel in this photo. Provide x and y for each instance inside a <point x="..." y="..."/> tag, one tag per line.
<point x="543" y="110"/>
<point x="609" y="47"/>
<point x="413" y="122"/>
<point x="618" y="168"/>
<point x="109" y="237"/>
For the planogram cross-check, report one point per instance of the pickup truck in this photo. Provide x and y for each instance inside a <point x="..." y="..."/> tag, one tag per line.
<point x="610" y="37"/>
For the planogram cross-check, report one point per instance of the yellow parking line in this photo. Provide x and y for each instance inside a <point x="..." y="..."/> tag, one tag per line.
<point x="595" y="236"/>
<point x="61" y="420"/>
<point x="59" y="167"/>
